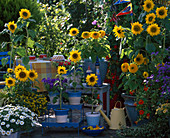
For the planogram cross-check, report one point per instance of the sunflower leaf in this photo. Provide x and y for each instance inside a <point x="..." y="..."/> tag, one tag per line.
<point x="3" y="44"/>
<point x="18" y="38"/>
<point x="39" y="45"/>
<point x="150" y="48"/>
<point x="25" y="60"/>
<point x="20" y="51"/>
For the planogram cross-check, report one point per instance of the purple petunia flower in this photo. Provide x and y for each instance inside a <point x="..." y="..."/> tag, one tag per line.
<point x="94" y="22"/>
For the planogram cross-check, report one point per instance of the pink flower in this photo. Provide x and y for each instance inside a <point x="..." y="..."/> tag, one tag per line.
<point x="94" y="22"/>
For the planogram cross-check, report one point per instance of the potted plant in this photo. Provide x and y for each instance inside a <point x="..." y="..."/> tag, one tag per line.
<point x="92" y="117"/>
<point x="15" y="119"/>
<point x="61" y="113"/>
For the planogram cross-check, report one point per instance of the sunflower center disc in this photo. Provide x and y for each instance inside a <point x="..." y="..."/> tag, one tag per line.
<point x="92" y="79"/>
<point x="153" y="29"/>
<point x="61" y="70"/>
<point x="95" y="34"/>
<point x="12" y="27"/>
<point x="148" y="5"/>
<point x="25" y="14"/>
<point x="74" y="32"/>
<point x="136" y="28"/>
<point x="10" y="81"/>
<point x="132" y="67"/>
<point x="150" y="18"/>
<point x="75" y="56"/>
<point x="31" y="75"/>
<point x="123" y="66"/>
<point x="138" y="59"/>
<point x="22" y="75"/>
<point x="161" y="12"/>
<point x="119" y="31"/>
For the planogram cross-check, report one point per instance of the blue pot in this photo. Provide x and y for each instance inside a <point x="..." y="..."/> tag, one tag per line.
<point x="131" y="110"/>
<point x="74" y="97"/>
<point x="92" y="119"/>
<point x="61" y="115"/>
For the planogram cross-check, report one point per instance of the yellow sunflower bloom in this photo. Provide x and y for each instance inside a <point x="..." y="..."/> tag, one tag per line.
<point x="145" y="74"/>
<point x="85" y="34"/>
<point x="145" y="61"/>
<point x="148" y="5"/>
<point x="18" y="68"/>
<point x="95" y="35"/>
<point x="12" y="26"/>
<point x="102" y="33"/>
<point x="9" y="70"/>
<point x="153" y="29"/>
<point x="22" y="75"/>
<point x="25" y="14"/>
<point x="73" y="31"/>
<point x="75" y="56"/>
<point x="118" y="32"/>
<point x="136" y="28"/>
<point x="133" y="68"/>
<point x="150" y="18"/>
<point x="159" y="65"/>
<point x="139" y="59"/>
<point x="161" y="12"/>
<point x="10" y="82"/>
<point x="124" y="67"/>
<point x="32" y="75"/>
<point x="91" y="79"/>
<point x="62" y="70"/>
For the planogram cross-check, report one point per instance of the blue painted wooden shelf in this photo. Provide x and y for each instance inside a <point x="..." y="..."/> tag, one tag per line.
<point x="50" y="121"/>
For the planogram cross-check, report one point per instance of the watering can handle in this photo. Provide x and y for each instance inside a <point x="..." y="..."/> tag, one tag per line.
<point x="118" y="102"/>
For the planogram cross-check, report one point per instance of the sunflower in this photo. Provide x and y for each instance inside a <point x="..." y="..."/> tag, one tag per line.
<point x="12" y="26"/>
<point x="18" y="68"/>
<point x="32" y="75"/>
<point x="25" y="14"/>
<point x="124" y="67"/>
<point x="145" y="61"/>
<point x="73" y="31"/>
<point x="91" y="79"/>
<point x="10" y="82"/>
<point x="118" y="32"/>
<point x="95" y="35"/>
<point x="145" y="74"/>
<point x="75" y="56"/>
<point x="85" y="35"/>
<point x="22" y="75"/>
<point x="148" y="5"/>
<point x="62" y="70"/>
<point x="133" y="68"/>
<point x="136" y="28"/>
<point x="150" y="18"/>
<point x="161" y="12"/>
<point x="139" y="59"/>
<point x="102" y="33"/>
<point x="9" y="70"/>
<point x="153" y="29"/>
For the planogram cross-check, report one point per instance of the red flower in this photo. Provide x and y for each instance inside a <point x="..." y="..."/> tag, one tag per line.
<point x="132" y="92"/>
<point x="115" y="46"/>
<point x="141" y="102"/>
<point x="135" y="104"/>
<point x="61" y="64"/>
<point x="148" y="115"/>
<point x="145" y="88"/>
<point x="61" y="43"/>
<point x="69" y="63"/>
<point x="98" y="97"/>
<point x="141" y="112"/>
<point x="107" y="58"/>
<point x="117" y="77"/>
<point x="65" y="64"/>
<point x="136" y="122"/>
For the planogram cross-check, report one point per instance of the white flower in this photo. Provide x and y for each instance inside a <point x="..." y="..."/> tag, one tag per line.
<point x="7" y="116"/>
<point x="3" y="132"/>
<point x="8" y="125"/>
<point x="17" y="123"/>
<point x="8" y="133"/>
<point x="32" y="124"/>
<point x="12" y="120"/>
<point x="21" y="122"/>
<point x="6" y="109"/>
<point x="6" y="119"/>
<point x="33" y="114"/>
<point x="12" y="130"/>
<point x="21" y="117"/>
<point x="2" y="123"/>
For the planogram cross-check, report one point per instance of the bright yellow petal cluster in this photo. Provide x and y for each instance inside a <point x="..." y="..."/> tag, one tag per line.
<point x="161" y="12"/>
<point x="62" y="70"/>
<point x="150" y="18"/>
<point x="19" y="68"/>
<point x="12" y="26"/>
<point x="73" y="31"/>
<point x="9" y="70"/>
<point x="124" y="67"/>
<point x="75" y="56"/>
<point x="136" y="28"/>
<point x="32" y="75"/>
<point x="25" y="14"/>
<point x="139" y="59"/>
<point x="145" y="74"/>
<point x="85" y="35"/>
<point x="91" y="79"/>
<point x="10" y="82"/>
<point x="95" y="35"/>
<point x="153" y="29"/>
<point x="22" y="75"/>
<point x="118" y="32"/>
<point x="146" y="61"/>
<point x="148" y="5"/>
<point x="102" y="33"/>
<point x="133" y="68"/>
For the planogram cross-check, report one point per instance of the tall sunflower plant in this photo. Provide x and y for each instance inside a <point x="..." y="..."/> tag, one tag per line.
<point x="21" y="38"/>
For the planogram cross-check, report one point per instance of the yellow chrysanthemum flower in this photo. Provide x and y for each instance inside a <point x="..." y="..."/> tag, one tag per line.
<point x="124" y="67"/>
<point x="136" y="28"/>
<point x="91" y="79"/>
<point x="150" y="18"/>
<point x="73" y="31"/>
<point x="102" y="33"/>
<point x="62" y="70"/>
<point x="148" y="5"/>
<point x="145" y="74"/>
<point x="85" y="34"/>
<point x="10" y="82"/>
<point x="139" y="59"/>
<point x="161" y="12"/>
<point x="18" y="68"/>
<point x="12" y="26"/>
<point x="9" y="70"/>
<point x="95" y="35"/>
<point x="153" y="29"/>
<point x="25" y="14"/>
<point x="75" y="56"/>
<point x="133" y="68"/>
<point x="118" y="32"/>
<point x="22" y="75"/>
<point x="145" y="61"/>
<point x="32" y="75"/>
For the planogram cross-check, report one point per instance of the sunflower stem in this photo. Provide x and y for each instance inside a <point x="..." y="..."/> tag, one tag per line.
<point x="60" y="92"/>
<point x="26" y="41"/>
<point x="74" y="76"/>
<point x="11" y="52"/>
<point x="92" y="109"/>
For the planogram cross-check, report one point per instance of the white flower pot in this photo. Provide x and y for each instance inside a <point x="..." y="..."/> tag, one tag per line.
<point x="93" y="119"/>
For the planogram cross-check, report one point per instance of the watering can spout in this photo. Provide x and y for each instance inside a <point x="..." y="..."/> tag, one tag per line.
<point x="98" y="109"/>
